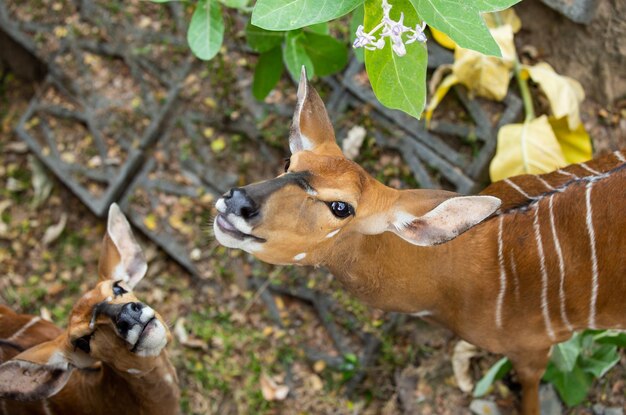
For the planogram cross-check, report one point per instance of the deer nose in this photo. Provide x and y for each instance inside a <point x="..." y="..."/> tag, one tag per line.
<point x="129" y="316"/>
<point x="238" y="202"/>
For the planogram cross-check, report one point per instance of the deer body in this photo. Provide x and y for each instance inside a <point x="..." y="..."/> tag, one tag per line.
<point x="110" y="360"/>
<point x="513" y="270"/>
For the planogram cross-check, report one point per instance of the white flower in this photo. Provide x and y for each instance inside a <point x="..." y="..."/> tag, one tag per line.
<point x="392" y="30"/>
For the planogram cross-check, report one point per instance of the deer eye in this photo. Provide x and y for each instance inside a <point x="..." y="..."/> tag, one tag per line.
<point x="82" y="343"/>
<point x="287" y="164"/>
<point x="341" y="209"/>
<point x="118" y="290"/>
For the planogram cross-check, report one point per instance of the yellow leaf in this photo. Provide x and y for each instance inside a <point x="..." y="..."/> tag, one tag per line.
<point x="564" y="93"/>
<point x="507" y="16"/>
<point x="208" y="132"/>
<point x="441" y="91"/>
<point x="135" y="102"/>
<point x="60" y="32"/>
<point x="210" y="102"/>
<point x="576" y="145"/>
<point x="443" y="39"/>
<point x="527" y="148"/>
<point x="487" y="76"/>
<point x="150" y="221"/>
<point x="218" y="145"/>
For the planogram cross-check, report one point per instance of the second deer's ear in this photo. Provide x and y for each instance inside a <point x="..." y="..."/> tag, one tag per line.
<point x="311" y="128"/>
<point x="38" y="373"/>
<point x="121" y="257"/>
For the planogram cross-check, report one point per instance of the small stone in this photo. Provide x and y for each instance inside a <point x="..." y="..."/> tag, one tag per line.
<point x="549" y="401"/>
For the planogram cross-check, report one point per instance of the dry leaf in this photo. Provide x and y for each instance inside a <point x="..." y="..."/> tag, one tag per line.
<point x="271" y="390"/>
<point x="527" y="148"/>
<point x="54" y="231"/>
<point x="507" y="16"/>
<point x="463" y="353"/>
<point x="564" y="93"/>
<point x="576" y="145"/>
<point x="150" y="221"/>
<point x="4" y="228"/>
<point x="42" y="185"/>
<point x="353" y="142"/>
<point x="441" y="38"/>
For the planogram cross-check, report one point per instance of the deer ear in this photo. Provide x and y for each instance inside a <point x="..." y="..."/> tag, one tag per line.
<point x="38" y="373"/>
<point x="446" y="221"/>
<point x="121" y="257"/>
<point x="311" y="128"/>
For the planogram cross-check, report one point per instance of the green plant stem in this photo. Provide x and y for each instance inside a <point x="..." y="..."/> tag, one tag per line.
<point x="525" y="91"/>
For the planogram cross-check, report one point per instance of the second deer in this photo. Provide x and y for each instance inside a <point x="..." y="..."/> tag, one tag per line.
<point x="111" y="359"/>
<point x="514" y="270"/>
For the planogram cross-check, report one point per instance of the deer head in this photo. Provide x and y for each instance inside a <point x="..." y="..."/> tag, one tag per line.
<point x="323" y="198"/>
<point x="108" y="324"/>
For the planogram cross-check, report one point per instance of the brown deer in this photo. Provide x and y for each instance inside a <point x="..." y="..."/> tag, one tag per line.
<point x="513" y="270"/>
<point x="111" y="359"/>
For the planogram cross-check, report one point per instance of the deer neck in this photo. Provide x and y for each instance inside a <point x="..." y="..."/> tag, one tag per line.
<point x="389" y="273"/>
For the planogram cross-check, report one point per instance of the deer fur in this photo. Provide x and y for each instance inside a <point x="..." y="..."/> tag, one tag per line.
<point x="45" y="372"/>
<point x="513" y="270"/>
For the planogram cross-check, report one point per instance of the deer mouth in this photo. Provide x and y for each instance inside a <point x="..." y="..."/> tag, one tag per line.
<point x="151" y="339"/>
<point x="229" y="228"/>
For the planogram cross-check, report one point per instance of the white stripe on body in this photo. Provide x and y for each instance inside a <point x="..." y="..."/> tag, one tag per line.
<point x="559" y="254"/>
<point x="544" y="275"/>
<point x="545" y="183"/>
<point x="515" y="276"/>
<point x="502" y="291"/>
<point x="519" y="189"/>
<point x="589" y="169"/>
<point x="25" y="327"/>
<point x="594" y="258"/>
<point x="566" y="173"/>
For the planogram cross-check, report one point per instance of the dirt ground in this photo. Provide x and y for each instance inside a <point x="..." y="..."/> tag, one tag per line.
<point x="233" y="341"/>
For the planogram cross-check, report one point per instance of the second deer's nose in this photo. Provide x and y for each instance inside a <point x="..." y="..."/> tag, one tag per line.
<point x="238" y="202"/>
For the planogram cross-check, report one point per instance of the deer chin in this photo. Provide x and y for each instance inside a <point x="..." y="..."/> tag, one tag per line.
<point x="152" y="339"/>
<point x="230" y="235"/>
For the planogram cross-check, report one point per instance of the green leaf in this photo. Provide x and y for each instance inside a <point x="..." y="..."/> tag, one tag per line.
<point x="294" y="14"/>
<point x="294" y="55"/>
<point x="398" y="82"/>
<point x="267" y="73"/>
<point x="496" y="372"/>
<point x="461" y="20"/>
<point x="611" y="337"/>
<point x="572" y="386"/>
<point x="564" y="355"/>
<point x="320" y="28"/>
<point x="355" y="21"/>
<point x="206" y="30"/>
<point x="601" y="361"/>
<point x="328" y="55"/>
<point x="261" y="40"/>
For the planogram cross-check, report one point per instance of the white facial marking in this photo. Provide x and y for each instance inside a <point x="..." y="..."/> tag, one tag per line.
<point x="134" y="371"/>
<point x="24" y="328"/>
<point x="311" y="192"/>
<point x="619" y="156"/>
<point x="133" y="334"/>
<point x="559" y="254"/>
<point x="220" y="205"/>
<point x="502" y="291"/>
<point x="300" y="256"/>
<point x="225" y="239"/>
<point x="146" y="314"/>
<point x="153" y="341"/>
<point x="544" y="274"/>
<point x="594" y="258"/>
<point x="239" y="223"/>
<point x="58" y="360"/>
<point x="168" y="378"/>
<point x="333" y="233"/>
